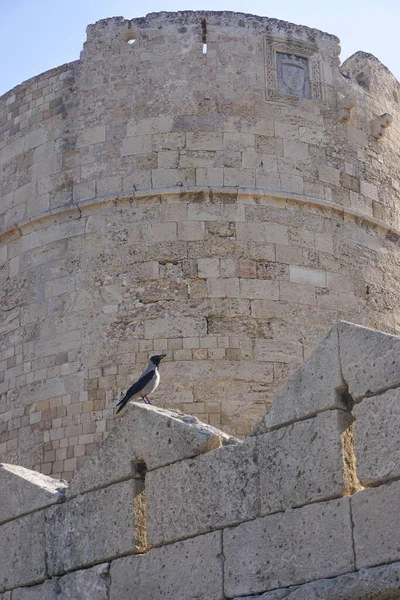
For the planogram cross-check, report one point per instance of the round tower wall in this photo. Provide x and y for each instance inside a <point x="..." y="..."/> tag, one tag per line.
<point x="160" y="198"/>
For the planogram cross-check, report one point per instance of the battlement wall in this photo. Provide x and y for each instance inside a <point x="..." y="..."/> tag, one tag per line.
<point x="169" y="507"/>
<point x="224" y="207"/>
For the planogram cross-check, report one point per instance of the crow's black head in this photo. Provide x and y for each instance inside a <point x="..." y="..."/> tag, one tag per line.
<point x="157" y="359"/>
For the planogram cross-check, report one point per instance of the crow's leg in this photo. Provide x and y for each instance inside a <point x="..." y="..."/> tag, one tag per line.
<point x="147" y="400"/>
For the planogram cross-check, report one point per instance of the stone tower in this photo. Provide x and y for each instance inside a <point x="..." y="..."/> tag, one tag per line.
<point x="214" y="186"/>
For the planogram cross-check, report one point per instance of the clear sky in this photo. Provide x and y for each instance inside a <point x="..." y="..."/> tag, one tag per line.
<point x="36" y="35"/>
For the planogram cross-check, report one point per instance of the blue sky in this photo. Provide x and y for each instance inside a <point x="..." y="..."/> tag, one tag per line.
<point x="36" y="35"/>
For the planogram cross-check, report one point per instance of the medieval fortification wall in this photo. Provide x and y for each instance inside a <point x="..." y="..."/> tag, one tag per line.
<point x="210" y="185"/>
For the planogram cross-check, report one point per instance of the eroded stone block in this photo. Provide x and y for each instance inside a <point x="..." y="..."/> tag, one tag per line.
<point x="23" y="491"/>
<point x="191" y="569"/>
<point x="377" y="437"/>
<point x="22" y="551"/>
<point x="45" y="591"/>
<point x="149" y="434"/>
<point x="197" y="495"/>
<point x="288" y="548"/>
<point x="93" y="527"/>
<point x="379" y="583"/>
<point x="370" y="360"/>
<point x="313" y="387"/>
<point x="89" y="584"/>
<point x="376" y="531"/>
<point x="303" y="462"/>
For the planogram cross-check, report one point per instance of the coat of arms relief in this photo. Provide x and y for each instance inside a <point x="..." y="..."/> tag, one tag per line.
<point x="292" y="70"/>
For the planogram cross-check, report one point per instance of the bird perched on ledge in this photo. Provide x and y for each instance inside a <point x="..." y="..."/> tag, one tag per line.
<point x="145" y="385"/>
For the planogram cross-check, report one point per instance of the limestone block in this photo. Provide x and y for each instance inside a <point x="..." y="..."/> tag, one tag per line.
<point x="91" y="135"/>
<point x="376" y="532"/>
<point x="314" y="387"/>
<point x="139" y="144"/>
<point x="370" y="360"/>
<point x="276" y="351"/>
<point x="22" y="551"/>
<point x="156" y="125"/>
<point x="89" y="584"/>
<point x="376" y="437"/>
<point x="303" y="462"/>
<point x="93" y="527"/>
<point x="201" y="494"/>
<point x="190" y="570"/>
<point x="288" y="548"/>
<point x="329" y="175"/>
<point x="259" y="289"/>
<point x="204" y="140"/>
<point x="23" y="491"/>
<point x="146" y="433"/>
<point x="175" y="327"/>
<point x="209" y="176"/>
<point x="379" y="583"/>
<point x="48" y="590"/>
<point x="307" y="276"/>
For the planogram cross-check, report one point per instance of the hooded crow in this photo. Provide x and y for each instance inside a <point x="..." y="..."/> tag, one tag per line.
<point x="145" y="385"/>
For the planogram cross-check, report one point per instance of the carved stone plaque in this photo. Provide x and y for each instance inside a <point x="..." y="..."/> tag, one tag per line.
<point x="292" y="74"/>
<point x="292" y="71"/>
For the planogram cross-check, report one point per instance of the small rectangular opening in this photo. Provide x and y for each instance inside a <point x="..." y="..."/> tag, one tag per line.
<point x="204" y="48"/>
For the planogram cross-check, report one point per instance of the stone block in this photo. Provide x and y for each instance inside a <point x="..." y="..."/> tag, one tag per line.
<point x="23" y="491"/>
<point x="204" y="140"/>
<point x="190" y="570"/>
<point x="278" y="351"/>
<point x="329" y="175"/>
<point x="297" y="293"/>
<point x="139" y="144"/>
<point x="379" y="583"/>
<point x="151" y="125"/>
<point x="259" y="289"/>
<point x="288" y="548"/>
<point x="48" y="590"/>
<point x="22" y="551"/>
<point x="291" y="183"/>
<point x="303" y="462"/>
<point x="314" y="387"/>
<point x="94" y="527"/>
<point x="175" y="327"/>
<point x="220" y="488"/>
<point x="239" y="177"/>
<point x="308" y="276"/>
<point x="209" y="176"/>
<point x="370" y="360"/>
<point x="223" y="288"/>
<point x="146" y="434"/>
<point x="91" y="135"/>
<point x="377" y="438"/>
<point x="89" y="584"/>
<point x="376" y="532"/>
<point x="191" y="231"/>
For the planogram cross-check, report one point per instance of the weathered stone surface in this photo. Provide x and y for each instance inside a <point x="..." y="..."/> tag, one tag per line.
<point x="22" y="551"/>
<point x="370" y="360"/>
<point x="49" y="590"/>
<point x="288" y="548"/>
<point x="190" y="570"/>
<point x="376" y="532"/>
<point x="5" y="596"/>
<point x="149" y="434"/>
<point x="23" y="491"/>
<point x="379" y="583"/>
<point x="303" y="462"/>
<point x="377" y="437"/>
<point x="312" y="388"/>
<point x="197" y="495"/>
<point x="93" y="527"/>
<point x="89" y="584"/>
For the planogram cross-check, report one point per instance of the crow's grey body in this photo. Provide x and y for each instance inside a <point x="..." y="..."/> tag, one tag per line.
<point x="145" y="385"/>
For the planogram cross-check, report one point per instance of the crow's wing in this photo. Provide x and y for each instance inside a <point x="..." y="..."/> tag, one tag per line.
<point x="135" y="389"/>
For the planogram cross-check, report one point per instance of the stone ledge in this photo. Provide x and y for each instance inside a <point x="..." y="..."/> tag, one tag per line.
<point x="378" y="583"/>
<point x="23" y="491"/>
<point x="146" y="434"/>
<point x="86" y="207"/>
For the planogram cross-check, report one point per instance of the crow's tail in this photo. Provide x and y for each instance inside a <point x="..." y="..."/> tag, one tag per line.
<point x="121" y="404"/>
